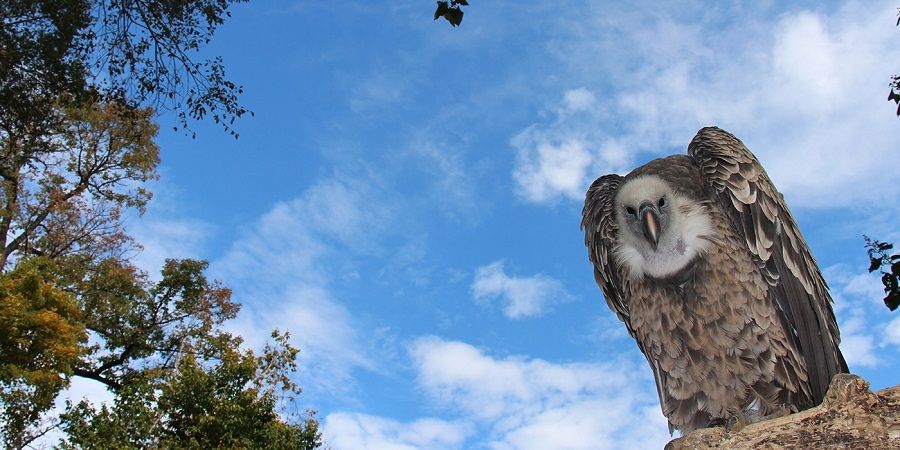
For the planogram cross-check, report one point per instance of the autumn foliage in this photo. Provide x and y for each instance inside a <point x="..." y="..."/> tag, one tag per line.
<point x="41" y="339"/>
<point x="79" y="81"/>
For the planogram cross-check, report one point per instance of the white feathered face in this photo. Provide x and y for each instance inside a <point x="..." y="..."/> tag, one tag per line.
<point x="660" y="231"/>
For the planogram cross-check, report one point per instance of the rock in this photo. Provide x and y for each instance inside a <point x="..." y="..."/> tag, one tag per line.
<point x="850" y="417"/>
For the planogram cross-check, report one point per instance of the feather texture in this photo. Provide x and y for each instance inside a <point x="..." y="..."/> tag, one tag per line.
<point x="772" y="235"/>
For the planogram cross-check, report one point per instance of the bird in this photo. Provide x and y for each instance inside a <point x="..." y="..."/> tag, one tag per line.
<point x="701" y="259"/>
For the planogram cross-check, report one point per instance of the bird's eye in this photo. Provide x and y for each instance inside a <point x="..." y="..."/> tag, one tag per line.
<point x="661" y="202"/>
<point x="630" y="211"/>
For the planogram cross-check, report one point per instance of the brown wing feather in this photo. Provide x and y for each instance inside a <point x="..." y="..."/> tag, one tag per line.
<point x="600" y="231"/>
<point x="760" y="213"/>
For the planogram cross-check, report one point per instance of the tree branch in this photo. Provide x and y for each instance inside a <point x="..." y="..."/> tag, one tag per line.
<point x="93" y="375"/>
<point x="39" y="219"/>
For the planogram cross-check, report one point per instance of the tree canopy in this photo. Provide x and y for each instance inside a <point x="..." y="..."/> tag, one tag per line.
<point x="80" y="82"/>
<point x="231" y="404"/>
<point x="64" y="189"/>
<point x="41" y="339"/>
<point x="136" y="53"/>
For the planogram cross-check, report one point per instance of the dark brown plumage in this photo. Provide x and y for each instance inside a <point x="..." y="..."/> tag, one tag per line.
<point x="701" y="259"/>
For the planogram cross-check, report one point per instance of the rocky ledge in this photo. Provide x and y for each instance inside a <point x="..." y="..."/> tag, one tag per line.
<point x="850" y="417"/>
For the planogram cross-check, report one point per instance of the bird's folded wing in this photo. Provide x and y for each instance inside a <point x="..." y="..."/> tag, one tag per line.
<point x="758" y="210"/>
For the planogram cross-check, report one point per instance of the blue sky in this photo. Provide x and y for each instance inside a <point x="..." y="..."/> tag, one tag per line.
<point x="406" y="200"/>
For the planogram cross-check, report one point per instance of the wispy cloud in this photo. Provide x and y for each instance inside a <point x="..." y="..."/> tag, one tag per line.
<point x="857" y="344"/>
<point x="520" y="296"/>
<point x="354" y="430"/>
<point x="79" y="389"/>
<point x="452" y="190"/>
<point x="383" y="89"/>
<point x="862" y="316"/>
<point x="576" y="100"/>
<point x="283" y="270"/>
<point x="529" y="403"/>
<point x="320" y="325"/>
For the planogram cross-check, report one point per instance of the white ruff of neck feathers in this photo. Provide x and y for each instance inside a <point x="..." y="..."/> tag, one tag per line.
<point x="688" y="236"/>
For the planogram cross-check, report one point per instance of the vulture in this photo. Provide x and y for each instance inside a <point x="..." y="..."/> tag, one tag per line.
<point x="701" y="259"/>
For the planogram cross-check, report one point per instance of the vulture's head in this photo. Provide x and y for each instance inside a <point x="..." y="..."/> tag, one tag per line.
<point x="662" y="231"/>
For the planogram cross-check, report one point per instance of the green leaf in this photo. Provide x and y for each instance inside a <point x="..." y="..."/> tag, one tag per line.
<point x="874" y="264"/>
<point x="454" y="16"/>
<point x="892" y="301"/>
<point x="441" y="10"/>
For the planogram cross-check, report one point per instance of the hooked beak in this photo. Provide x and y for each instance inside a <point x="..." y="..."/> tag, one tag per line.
<point x="650" y="223"/>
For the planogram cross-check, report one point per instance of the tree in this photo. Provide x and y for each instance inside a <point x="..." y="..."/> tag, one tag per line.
<point x="179" y="380"/>
<point x="64" y="236"/>
<point x="78" y="83"/>
<point x="127" y="52"/>
<point x="228" y="405"/>
<point x="65" y="273"/>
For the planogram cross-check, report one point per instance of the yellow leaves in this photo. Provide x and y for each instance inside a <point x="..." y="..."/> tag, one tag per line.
<point x="41" y="339"/>
<point x="41" y="334"/>
<point x="114" y="146"/>
<point x="72" y="185"/>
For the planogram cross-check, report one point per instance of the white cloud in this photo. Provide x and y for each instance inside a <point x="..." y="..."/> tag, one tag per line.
<point x="361" y="431"/>
<point x="383" y="89"/>
<point x="580" y="99"/>
<point x="858" y="350"/>
<point x="530" y="403"/>
<point x="805" y="92"/>
<point x="588" y="425"/>
<point x="546" y="169"/>
<point x="857" y="339"/>
<point x="521" y="296"/>
<point x="558" y="159"/>
<point x="167" y="238"/>
<point x="865" y="286"/>
<point x="320" y="326"/>
<point x="892" y="332"/>
<point x="80" y="389"/>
